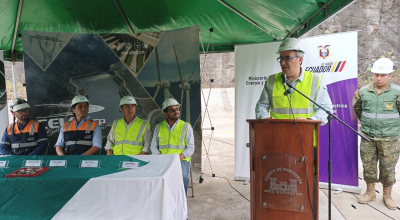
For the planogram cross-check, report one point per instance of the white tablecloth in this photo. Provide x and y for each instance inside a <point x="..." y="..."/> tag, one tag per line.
<point x="154" y="191"/>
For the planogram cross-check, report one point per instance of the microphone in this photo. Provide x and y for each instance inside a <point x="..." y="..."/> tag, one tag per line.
<point x="283" y="76"/>
<point x="287" y="91"/>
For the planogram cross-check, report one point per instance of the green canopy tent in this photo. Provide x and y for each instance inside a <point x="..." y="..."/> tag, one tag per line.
<point x="233" y="21"/>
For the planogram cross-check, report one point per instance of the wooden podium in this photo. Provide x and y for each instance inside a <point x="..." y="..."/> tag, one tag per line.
<point x="281" y="186"/>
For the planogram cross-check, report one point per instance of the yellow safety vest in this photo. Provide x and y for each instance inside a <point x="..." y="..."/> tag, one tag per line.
<point x="173" y="142"/>
<point x="302" y="107"/>
<point x="128" y="142"/>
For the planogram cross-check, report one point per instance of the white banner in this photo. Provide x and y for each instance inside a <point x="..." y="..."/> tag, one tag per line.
<point x="335" y="57"/>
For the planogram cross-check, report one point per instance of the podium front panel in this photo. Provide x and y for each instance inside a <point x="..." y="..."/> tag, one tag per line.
<point x="283" y="182"/>
<point x="278" y="140"/>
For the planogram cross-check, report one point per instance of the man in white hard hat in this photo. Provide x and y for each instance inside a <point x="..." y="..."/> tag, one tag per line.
<point x="24" y="136"/>
<point x="80" y="135"/>
<point x="273" y="102"/>
<point x="377" y="106"/>
<point x="129" y="135"/>
<point x="174" y="136"/>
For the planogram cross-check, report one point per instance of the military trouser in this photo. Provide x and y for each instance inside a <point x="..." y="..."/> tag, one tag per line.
<point x="387" y="152"/>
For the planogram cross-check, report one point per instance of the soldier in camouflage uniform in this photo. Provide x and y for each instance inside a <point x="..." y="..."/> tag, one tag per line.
<point x="377" y="106"/>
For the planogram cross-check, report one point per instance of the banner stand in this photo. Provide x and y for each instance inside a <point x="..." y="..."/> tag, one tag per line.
<point x="339" y="187"/>
<point x="335" y="57"/>
<point x="202" y="71"/>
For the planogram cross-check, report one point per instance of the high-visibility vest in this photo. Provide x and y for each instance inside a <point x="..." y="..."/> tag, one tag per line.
<point x="78" y="141"/>
<point x="25" y="141"/>
<point x="380" y="117"/>
<point x="128" y="142"/>
<point x="173" y="142"/>
<point x="302" y="107"/>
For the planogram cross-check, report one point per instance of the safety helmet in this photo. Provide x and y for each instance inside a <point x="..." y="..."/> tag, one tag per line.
<point x="169" y="102"/>
<point x="383" y="66"/>
<point x="17" y="104"/>
<point x="291" y="44"/>
<point x="127" y="100"/>
<point x="79" y="99"/>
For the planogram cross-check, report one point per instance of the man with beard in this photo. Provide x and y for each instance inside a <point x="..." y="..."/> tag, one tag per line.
<point x="174" y="136"/>
<point x="129" y="135"/>
<point x="25" y="136"/>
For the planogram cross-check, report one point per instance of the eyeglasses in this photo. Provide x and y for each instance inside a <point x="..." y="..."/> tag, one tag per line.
<point x="23" y="110"/>
<point x="174" y="109"/>
<point x="286" y="59"/>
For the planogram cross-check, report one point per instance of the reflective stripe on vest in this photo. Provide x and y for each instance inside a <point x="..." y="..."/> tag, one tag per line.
<point x="173" y="142"/>
<point x="385" y="116"/>
<point x="22" y="145"/>
<point x="88" y="143"/>
<point x="128" y="142"/>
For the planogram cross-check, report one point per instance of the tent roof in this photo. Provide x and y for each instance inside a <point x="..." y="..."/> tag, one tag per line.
<point x="233" y="21"/>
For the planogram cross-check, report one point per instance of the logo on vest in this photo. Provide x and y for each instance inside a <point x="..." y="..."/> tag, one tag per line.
<point x="283" y="187"/>
<point x="87" y="137"/>
<point x="389" y="105"/>
<point x="30" y="139"/>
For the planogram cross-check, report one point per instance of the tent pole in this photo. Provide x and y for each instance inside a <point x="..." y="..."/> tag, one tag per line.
<point x="16" y="25"/>
<point x="14" y="80"/>
<point x="123" y="16"/>
<point x="247" y="19"/>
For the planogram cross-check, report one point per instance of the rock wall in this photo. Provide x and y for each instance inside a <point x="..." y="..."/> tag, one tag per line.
<point x="220" y="67"/>
<point x="20" y="76"/>
<point x="378" y="22"/>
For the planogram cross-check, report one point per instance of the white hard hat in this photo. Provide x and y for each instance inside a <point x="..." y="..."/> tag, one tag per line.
<point x="169" y="102"/>
<point x="383" y="66"/>
<point x="17" y="104"/>
<point x="291" y="44"/>
<point x="127" y="100"/>
<point x="79" y="99"/>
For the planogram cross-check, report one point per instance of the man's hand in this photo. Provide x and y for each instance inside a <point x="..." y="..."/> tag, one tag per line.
<point x="60" y="150"/>
<point x="269" y="118"/>
<point x="109" y="152"/>
<point x="91" y="151"/>
<point x="181" y="156"/>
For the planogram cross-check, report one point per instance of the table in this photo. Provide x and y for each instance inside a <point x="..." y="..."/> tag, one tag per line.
<point x="152" y="191"/>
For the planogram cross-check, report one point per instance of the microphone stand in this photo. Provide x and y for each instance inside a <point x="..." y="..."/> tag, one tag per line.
<point x="330" y="116"/>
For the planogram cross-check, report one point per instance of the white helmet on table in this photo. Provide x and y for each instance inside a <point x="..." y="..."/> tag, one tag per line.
<point x="169" y="102"/>
<point x="126" y="100"/>
<point x="291" y="44"/>
<point x="79" y="99"/>
<point x="18" y="103"/>
<point x="383" y="66"/>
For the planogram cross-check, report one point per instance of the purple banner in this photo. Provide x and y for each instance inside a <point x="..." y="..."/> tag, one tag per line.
<point x="343" y="141"/>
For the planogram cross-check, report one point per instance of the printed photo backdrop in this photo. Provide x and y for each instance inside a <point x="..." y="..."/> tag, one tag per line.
<point x="148" y="66"/>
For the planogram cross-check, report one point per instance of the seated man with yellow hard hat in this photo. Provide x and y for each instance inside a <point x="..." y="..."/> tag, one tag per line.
<point x="25" y="136"/>
<point x="80" y="135"/>
<point x="129" y="135"/>
<point x="174" y="136"/>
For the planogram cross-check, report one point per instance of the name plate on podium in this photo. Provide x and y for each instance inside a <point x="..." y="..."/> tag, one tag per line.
<point x="283" y="182"/>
